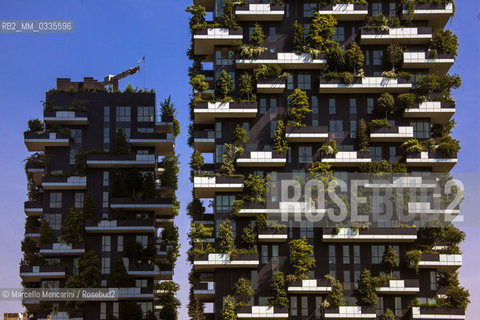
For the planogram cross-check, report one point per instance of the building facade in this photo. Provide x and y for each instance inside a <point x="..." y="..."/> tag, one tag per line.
<point x="101" y="208"/>
<point x="287" y="89"/>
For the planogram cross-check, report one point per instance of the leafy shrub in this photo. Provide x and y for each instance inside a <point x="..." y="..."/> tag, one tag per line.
<point x="278" y="289"/>
<point x="280" y="143"/>
<point x="224" y="85"/>
<point x="367" y="295"/>
<point x="329" y="148"/>
<point x="412" y="259"/>
<point x="384" y="104"/>
<point x="444" y="41"/>
<point x="449" y="146"/>
<point x="297" y="40"/>
<point x="321" y="31"/>
<point x="379" y="123"/>
<point x="265" y="71"/>
<point x="298" y="108"/>
<point x="406" y="100"/>
<point x="301" y="257"/>
<point x="412" y="146"/>
<point x="35" y="125"/>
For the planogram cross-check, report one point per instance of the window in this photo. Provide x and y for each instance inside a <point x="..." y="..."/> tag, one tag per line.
<point x="254" y="279"/>
<point x="339" y="34"/>
<point x="353" y="129"/>
<point x="123" y="114"/>
<point x="50" y="284"/>
<point x="304" y="306"/>
<point x="336" y="128"/>
<point x="290" y="84"/>
<point x="304" y="82"/>
<point x="346" y="254"/>
<point x="106" y="114"/>
<point x="272" y="35"/>
<point x="273" y="126"/>
<point x="76" y="135"/>
<point x="219" y="151"/>
<point x="141" y="283"/>
<point x="120" y="243"/>
<point x="75" y="265"/>
<point x="105" y="200"/>
<point x="392" y="9"/>
<point x="306" y="229"/>
<point x="309" y="10"/>
<point x="376" y="153"/>
<point x="376" y="9"/>
<point x="103" y="310"/>
<point x="115" y="309"/>
<point x="356" y="277"/>
<point x="143" y="240"/>
<point x="289" y="155"/>
<point x="145" y="130"/>
<point x="264" y="258"/>
<point x="105" y="265"/>
<point x="293" y="306"/>
<point x="392" y="152"/>
<point x="367" y="57"/>
<point x="106" y="243"/>
<point x="347" y="285"/>
<point x="331" y="106"/>
<point x="106" y="135"/>
<point x="370" y="105"/>
<point x="72" y="156"/>
<point x="218" y="130"/>
<point x="398" y="306"/>
<point x="306" y="28"/>
<point x="146" y="114"/>
<point x="433" y="280"/>
<point x="379" y="307"/>
<point x="54" y="220"/>
<point x="287" y="10"/>
<point x="318" y="307"/>
<point x="331" y="255"/>
<point x="246" y="127"/>
<point x="275" y="260"/>
<point x="55" y="200"/>
<point x="126" y="131"/>
<point x="224" y="203"/>
<point x="421" y="129"/>
<point x="224" y="57"/>
<point x="106" y="181"/>
<point x="356" y="254"/>
<point x="353" y="106"/>
<point x="314" y="105"/>
<point x="273" y="105"/>
<point x="377" y="57"/>
<point x="377" y="254"/>
<point x="304" y="154"/>
<point x="79" y="199"/>
<point x="262" y="105"/>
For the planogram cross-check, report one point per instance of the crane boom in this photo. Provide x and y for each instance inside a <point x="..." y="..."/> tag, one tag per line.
<point x="113" y="79"/>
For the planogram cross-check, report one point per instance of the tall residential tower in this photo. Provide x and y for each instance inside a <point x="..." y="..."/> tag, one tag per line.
<point x="286" y="90"/>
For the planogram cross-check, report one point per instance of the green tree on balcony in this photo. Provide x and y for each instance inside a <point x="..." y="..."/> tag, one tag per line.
<point x="46" y="233"/>
<point x="196" y="162"/>
<point x="168" y="300"/>
<point x="301" y="257"/>
<point x="390" y="260"/>
<point x="444" y="41"/>
<point x="121" y="146"/>
<point x="226" y="240"/>
<point x="248" y="237"/>
<point x="224" y="86"/>
<point x="89" y="210"/>
<point x="394" y="55"/>
<point x="229" y="18"/>
<point x="243" y="291"/>
<point x="197" y="21"/>
<point x="354" y="58"/>
<point x="199" y="85"/>
<point x="240" y="137"/>
<point x="298" y="40"/>
<point x="80" y="164"/>
<point x="278" y="290"/>
<point x="229" y="309"/>
<point x="35" y="125"/>
<point x="245" y="87"/>
<point x="298" y="108"/>
<point x="195" y="308"/>
<point x="280" y="143"/>
<point x="227" y="168"/>
<point x="367" y="295"/>
<point x="120" y="276"/>
<point x="321" y="31"/>
<point x="129" y="310"/>
<point x="335" y="298"/>
<point x="388" y="315"/>
<point x="256" y="188"/>
<point x="73" y="230"/>
<point x="384" y="105"/>
<point x="169" y="178"/>
<point x="167" y="109"/>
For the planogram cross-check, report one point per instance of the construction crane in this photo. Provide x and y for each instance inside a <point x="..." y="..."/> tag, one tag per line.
<point x="113" y="79"/>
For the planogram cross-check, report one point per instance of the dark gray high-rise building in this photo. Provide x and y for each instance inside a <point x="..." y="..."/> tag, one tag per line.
<point x="101" y="200"/>
<point x="288" y="89"/>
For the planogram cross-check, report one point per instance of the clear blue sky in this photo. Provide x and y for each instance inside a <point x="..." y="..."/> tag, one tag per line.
<point x="110" y="36"/>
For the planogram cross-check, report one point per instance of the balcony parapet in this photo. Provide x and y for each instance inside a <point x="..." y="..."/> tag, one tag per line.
<point x="347" y="158"/>
<point x="441" y="262"/>
<point x="434" y="159"/>
<point x="120" y="226"/>
<point x="310" y="286"/>
<point x="162" y="206"/>
<point x="120" y="161"/>
<point x="262" y="312"/>
<point x="286" y="60"/>
<point x="351" y="312"/>
<point x="391" y="134"/>
<point x="410" y="35"/>
<point x="62" y="249"/>
<point x="262" y="159"/>
<point x="306" y="134"/>
<point x="437" y="313"/>
<point x="437" y="14"/>
<point x="437" y="111"/>
<point x="410" y="286"/>
<point x="365" y="85"/>
<point x="346" y="11"/>
<point x="224" y="260"/>
<point x="65" y="117"/>
<point x="206" y="187"/>
<point x="206" y="112"/>
<point x="260" y="12"/>
<point x="38" y="141"/>
<point x="64" y="183"/>
<point x="369" y="235"/>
